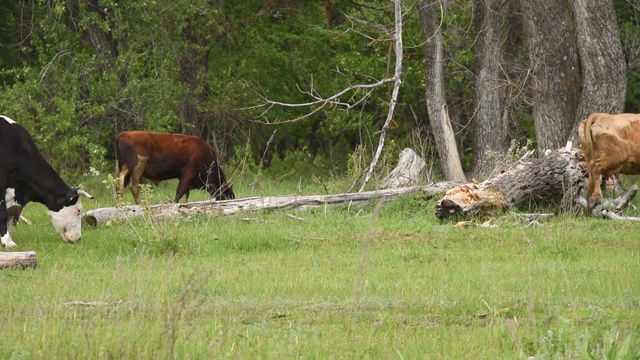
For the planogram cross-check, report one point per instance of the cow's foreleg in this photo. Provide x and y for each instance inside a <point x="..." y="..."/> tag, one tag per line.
<point x="136" y="176"/>
<point x="5" y="237"/>
<point x="183" y="187"/>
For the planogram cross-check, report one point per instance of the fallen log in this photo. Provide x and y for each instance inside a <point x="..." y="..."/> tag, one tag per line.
<point x="549" y="179"/>
<point x="100" y="216"/>
<point x="22" y="259"/>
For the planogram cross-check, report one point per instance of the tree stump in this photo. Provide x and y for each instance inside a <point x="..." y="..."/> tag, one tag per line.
<point x="406" y="173"/>
<point x="539" y="180"/>
<point x="24" y="259"/>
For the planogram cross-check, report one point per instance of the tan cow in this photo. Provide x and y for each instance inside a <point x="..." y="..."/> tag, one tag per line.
<point x="611" y="146"/>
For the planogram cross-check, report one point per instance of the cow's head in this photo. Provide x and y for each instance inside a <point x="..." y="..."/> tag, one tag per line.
<point x="217" y="184"/>
<point x="68" y="220"/>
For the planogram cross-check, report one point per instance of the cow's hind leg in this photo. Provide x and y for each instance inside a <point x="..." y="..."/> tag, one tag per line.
<point x="123" y="179"/>
<point x="594" y="193"/>
<point x="135" y="177"/>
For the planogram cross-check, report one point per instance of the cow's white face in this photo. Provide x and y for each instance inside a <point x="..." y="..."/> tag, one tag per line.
<point x="68" y="221"/>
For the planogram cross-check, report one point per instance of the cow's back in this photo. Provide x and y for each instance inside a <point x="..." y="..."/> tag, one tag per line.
<point x="612" y="142"/>
<point x="18" y="148"/>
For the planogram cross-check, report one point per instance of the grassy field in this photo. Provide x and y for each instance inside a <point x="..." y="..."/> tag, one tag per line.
<point x="383" y="281"/>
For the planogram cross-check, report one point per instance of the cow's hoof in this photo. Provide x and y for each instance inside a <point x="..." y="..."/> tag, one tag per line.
<point x="8" y="243"/>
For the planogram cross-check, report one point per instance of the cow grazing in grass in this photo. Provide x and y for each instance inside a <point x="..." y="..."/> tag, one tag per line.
<point x="159" y="156"/>
<point x="611" y="146"/>
<point x="26" y="176"/>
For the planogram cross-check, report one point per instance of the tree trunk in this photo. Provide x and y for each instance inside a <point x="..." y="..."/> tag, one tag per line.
<point x="490" y="130"/>
<point x="514" y="95"/>
<point x="105" y="47"/>
<point x="604" y="70"/>
<point x="554" y="64"/>
<point x="435" y="94"/>
<point x="193" y="73"/>
<point x="537" y="181"/>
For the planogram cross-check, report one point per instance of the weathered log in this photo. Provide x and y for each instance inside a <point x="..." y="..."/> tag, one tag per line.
<point x="100" y="216"/>
<point x="537" y="180"/>
<point x="22" y="259"/>
<point x="406" y="173"/>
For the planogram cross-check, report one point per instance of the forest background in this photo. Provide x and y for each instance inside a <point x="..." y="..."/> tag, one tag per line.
<point x="257" y="78"/>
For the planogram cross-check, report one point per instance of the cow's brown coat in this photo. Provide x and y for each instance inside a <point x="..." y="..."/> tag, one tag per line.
<point x="160" y="156"/>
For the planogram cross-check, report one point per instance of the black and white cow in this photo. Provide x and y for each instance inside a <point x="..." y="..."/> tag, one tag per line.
<point x="26" y="176"/>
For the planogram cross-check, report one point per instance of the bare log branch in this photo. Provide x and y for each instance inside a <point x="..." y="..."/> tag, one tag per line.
<point x="611" y="208"/>
<point x="22" y="259"/>
<point x="100" y="216"/>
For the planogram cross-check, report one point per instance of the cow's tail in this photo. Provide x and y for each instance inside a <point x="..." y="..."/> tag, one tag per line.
<point x="118" y="156"/>
<point x="122" y="173"/>
<point x="586" y="137"/>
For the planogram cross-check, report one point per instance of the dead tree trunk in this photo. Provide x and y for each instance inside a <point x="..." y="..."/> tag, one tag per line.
<point x="407" y="172"/>
<point x="435" y="91"/>
<point x="539" y="181"/>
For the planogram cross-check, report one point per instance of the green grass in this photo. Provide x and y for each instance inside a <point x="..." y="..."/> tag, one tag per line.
<point x="344" y="283"/>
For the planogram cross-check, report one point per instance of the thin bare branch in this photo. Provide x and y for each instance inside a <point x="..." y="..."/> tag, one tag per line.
<point x="322" y="102"/>
<point x="394" y="94"/>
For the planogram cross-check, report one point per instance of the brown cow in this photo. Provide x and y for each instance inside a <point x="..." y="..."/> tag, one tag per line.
<point x="611" y="146"/>
<point x="159" y="156"/>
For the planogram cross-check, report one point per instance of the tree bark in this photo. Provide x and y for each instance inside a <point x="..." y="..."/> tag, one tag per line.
<point x="603" y="66"/>
<point x="554" y="64"/>
<point x="490" y="127"/>
<point x="514" y="58"/>
<point x="435" y="94"/>
<point x="539" y="180"/>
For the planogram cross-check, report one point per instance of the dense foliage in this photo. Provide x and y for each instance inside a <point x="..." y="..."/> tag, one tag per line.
<point x="80" y="71"/>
